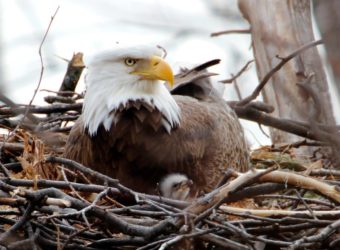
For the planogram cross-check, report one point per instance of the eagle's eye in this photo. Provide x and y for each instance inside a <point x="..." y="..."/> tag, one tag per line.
<point x="130" y="62"/>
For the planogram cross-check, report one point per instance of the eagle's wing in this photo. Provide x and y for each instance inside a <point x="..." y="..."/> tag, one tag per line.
<point x="187" y="76"/>
<point x="93" y="152"/>
<point x="79" y="145"/>
<point x="208" y="141"/>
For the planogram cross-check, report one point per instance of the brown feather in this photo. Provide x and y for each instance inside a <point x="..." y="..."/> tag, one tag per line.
<point x="139" y="151"/>
<point x="208" y="141"/>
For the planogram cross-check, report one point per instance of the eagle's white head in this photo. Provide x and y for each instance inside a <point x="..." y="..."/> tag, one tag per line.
<point x="176" y="186"/>
<point x="126" y="74"/>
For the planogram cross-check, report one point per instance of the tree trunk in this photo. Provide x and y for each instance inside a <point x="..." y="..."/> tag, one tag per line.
<point x="279" y="28"/>
<point x="327" y="14"/>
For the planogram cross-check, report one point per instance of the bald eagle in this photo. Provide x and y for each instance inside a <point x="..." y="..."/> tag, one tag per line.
<point x="134" y="129"/>
<point x="176" y="186"/>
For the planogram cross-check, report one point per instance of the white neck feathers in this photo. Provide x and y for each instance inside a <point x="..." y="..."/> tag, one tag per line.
<point x="108" y="94"/>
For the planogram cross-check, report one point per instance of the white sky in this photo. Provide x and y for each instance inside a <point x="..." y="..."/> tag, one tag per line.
<point x="90" y="25"/>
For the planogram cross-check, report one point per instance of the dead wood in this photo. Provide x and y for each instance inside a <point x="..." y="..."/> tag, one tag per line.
<point x="278" y="28"/>
<point x="74" y="69"/>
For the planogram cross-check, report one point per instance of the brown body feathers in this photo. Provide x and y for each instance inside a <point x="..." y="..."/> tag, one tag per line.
<point x="139" y="151"/>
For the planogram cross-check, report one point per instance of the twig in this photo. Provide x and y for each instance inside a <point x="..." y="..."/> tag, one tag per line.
<point x="12" y="146"/>
<point x="223" y="242"/>
<point x="301" y="181"/>
<point x="41" y="62"/>
<point x="165" y="53"/>
<point x="277" y="212"/>
<point x="226" y="176"/>
<point x="327" y="172"/>
<point x="44" y="109"/>
<point x="159" y="207"/>
<point x="305" y="204"/>
<point x="5" y="236"/>
<point x="4" y="170"/>
<point x="178" y="238"/>
<point x="70" y="186"/>
<point x="227" y="32"/>
<point x="230" y="227"/>
<point x="69" y="239"/>
<point x="324" y="233"/>
<point x="93" y="188"/>
<point x="237" y="89"/>
<point x="75" y="95"/>
<point x="243" y="69"/>
<point x="63" y="99"/>
<point x="82" y="168"/>
<point x="300" y="143"/>
<point x="83" y="211"/>
<point x="275" y="196"/>
<point x="13" y="105"/>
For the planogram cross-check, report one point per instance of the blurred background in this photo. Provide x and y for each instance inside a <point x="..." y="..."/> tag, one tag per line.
<point x="182" y="27"/>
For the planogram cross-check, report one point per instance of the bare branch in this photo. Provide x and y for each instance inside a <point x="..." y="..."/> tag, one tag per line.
<point x="227" y="32"/>
<point x="278" y="212"/>
<point x="41" y="61"/>
<point x="243" y="69"/>
<point x="267" y="77"/>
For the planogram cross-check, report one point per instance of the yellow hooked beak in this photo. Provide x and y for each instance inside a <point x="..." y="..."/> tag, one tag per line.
<point x="156" y="69"/>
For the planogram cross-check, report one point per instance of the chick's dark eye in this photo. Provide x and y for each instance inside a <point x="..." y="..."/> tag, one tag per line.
<point x="130" y="61"/>
<point x="176" y="185"/>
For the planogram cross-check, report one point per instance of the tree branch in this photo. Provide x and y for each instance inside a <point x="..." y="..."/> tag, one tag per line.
<point x="267" y="77"/>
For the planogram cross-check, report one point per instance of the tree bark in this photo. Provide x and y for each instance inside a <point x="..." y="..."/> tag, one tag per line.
<point x="327" y="14"/>
<point x="74" y="69"/>
<point x="278" y="28"/>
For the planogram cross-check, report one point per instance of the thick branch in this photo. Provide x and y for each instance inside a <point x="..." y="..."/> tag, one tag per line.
<point x="74" y="69"/>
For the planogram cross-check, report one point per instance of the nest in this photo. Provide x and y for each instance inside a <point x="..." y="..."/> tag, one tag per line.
<point x="285" y="201"/>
